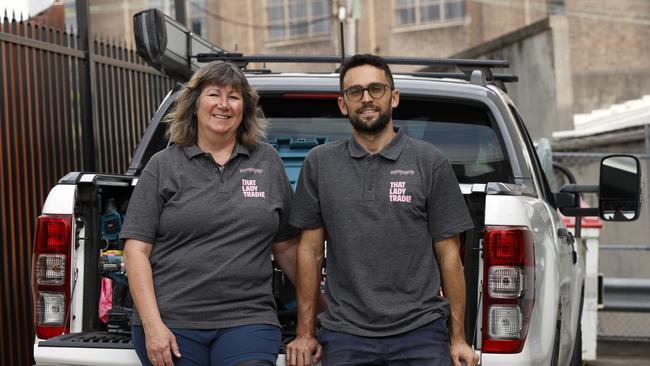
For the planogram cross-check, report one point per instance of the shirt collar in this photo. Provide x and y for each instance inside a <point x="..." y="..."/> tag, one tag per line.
<point x="390" y="151"/>
<point x="194" y="150"/>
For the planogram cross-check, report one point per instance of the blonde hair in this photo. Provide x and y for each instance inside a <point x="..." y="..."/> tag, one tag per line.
<point x="182" y="120"/>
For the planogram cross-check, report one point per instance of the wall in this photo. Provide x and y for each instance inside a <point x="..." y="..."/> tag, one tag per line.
<point x="610" y="51"/>
<point x="538" y="55"/>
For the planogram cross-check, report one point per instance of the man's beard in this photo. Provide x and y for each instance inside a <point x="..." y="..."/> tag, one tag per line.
<point x="373" y="127"/>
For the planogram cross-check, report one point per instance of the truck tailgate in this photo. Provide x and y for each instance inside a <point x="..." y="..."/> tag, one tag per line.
<point x="96" y="348"/>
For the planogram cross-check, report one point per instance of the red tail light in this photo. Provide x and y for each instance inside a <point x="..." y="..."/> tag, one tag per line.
<point x="51" y="275"/>
<point x="508" y="288"/>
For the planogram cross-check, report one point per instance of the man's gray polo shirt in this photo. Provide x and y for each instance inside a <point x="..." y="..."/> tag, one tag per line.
<point x="382" y="214"/>
<point x="212" y="233"/>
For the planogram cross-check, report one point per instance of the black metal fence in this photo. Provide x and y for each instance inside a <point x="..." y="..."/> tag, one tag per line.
<point x="42" y="91"/>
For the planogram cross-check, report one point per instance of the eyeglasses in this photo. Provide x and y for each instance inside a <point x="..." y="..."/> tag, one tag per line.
<point x="376" y="91"/>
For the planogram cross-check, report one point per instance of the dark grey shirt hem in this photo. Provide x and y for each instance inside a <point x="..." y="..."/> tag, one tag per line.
<point x="125" y="235"/>
<point x="452" y="231"/>
<point x="303" y="225"/>
<point x="215" y="324"/>
<point x="418" y="322"/>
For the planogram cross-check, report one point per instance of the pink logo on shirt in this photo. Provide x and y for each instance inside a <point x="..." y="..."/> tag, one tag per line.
<point x="402" y="172"/>
<point x="252" y="170"/>
<point x="397" y="192"/>
<point x="249" y="189"/>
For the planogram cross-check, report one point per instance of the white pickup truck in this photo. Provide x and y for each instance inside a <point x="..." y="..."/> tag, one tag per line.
<point x="524" y="270"/>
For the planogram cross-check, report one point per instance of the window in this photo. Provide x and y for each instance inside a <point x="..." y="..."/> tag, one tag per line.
<point x="464" y="131"/>
<point x="423" y="12"/>
<point x="295" y="19"/>
<point x="197" y="17"/>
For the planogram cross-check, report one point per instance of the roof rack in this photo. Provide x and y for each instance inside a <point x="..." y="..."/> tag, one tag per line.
<point x="174" y="50"/>
<point x="505" y="78"/>
<point x="422" y="61"/>
<point x="466" y="66"/>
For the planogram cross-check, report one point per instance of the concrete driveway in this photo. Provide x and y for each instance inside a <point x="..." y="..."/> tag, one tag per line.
<point x="616" y="353"/>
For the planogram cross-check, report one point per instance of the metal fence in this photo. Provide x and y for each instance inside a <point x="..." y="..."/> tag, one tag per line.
<point x="43" y="135"/>
<point x="623" y="251"/>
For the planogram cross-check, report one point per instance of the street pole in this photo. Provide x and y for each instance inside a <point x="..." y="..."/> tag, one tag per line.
<point x="341" y="16"/>
<point x="646" y="130"/>
<point x="88" y="87"/>
<point x="351" y="27"/>
<point x="180" y="11"/>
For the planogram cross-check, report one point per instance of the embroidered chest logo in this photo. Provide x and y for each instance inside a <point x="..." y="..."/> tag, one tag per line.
<point x="397" y="192"/>
<point x="402" y="172"/>
<point x="249" y="189"/>
<point x="252" y="170"/>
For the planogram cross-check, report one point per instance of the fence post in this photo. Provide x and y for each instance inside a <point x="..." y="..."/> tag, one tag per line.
<point x="646" y="130"/>
<point x="589" y="321"/>
<point x="88" y="81"/>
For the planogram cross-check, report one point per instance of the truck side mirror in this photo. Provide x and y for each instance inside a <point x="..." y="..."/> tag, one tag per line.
<point x="620" y="186"/>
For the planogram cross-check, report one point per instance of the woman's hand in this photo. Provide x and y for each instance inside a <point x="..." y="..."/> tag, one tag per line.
<point x="161" y="344"/>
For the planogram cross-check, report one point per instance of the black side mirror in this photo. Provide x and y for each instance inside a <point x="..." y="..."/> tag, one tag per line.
<point x="620" y="188"/>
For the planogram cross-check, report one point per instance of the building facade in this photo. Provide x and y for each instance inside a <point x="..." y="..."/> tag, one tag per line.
<point x="609" y="41"/>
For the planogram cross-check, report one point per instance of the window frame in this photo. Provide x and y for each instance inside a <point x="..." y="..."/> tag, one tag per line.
<point x="287" y="22"/>
<point x="442" y="22"/>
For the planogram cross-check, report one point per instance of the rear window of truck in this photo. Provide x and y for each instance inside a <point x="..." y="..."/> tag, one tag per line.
<point x="464" y="131"/>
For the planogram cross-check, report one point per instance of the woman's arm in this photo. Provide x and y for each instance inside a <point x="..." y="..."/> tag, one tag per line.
<point x="160" y="340"/>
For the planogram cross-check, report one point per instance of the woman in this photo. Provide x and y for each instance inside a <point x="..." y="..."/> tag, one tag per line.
<point x="201" y="225"/>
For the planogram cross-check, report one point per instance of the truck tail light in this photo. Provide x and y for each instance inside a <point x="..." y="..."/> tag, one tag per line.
<point x="50" y="276"/>
<point x="508" y="288"/>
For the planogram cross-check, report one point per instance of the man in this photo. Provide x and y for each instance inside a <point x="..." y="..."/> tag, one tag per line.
<point x="391" y="210"/>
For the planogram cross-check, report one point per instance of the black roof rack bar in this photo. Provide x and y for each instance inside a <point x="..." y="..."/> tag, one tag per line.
<point x="421" y="61"/>
<point x="506" y="78"/>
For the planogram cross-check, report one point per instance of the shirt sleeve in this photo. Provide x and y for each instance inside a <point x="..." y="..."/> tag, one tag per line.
<point x="305" y="210"/>
<point x="142" y="216"/>
<point x="447" y="212"/>
<point x="285" y="230"/>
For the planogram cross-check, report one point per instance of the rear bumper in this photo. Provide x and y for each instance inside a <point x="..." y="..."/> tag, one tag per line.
<point x="92" y="349"/>
<point x="69" y="356"/>
<point x="518" y="359"/>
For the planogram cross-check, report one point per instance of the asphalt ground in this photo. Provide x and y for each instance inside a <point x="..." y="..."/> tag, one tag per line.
<point x="620" y="353"/>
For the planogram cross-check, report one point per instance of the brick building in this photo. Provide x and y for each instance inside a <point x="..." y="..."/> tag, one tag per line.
<point x="609" y="40"/>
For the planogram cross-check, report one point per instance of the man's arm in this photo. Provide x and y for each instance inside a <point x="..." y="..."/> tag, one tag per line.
<point x="311" y="251"/>
<point x="453" y="288"/>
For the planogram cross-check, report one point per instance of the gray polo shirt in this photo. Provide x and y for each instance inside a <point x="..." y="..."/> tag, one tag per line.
<point x="212" y="232"/>
<point x="382" y="214"/>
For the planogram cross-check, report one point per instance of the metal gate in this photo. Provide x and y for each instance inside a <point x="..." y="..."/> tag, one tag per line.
<point x="43" y="136"/>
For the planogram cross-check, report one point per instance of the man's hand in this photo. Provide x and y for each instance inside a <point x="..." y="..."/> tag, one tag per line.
<point x="303" y="351"/>
<point x="462" y="352"/>
<point x="161" y="343"/>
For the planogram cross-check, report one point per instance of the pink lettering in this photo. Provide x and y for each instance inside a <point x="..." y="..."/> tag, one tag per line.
<point x="399" y="198"/>
<point x="397" y="191"/>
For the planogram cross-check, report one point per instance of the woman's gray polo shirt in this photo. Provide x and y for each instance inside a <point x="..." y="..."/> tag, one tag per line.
<point x="382" y="214"/>
<point x="212" y="232"/>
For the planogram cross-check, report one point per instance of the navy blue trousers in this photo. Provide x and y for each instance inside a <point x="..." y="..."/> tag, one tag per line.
<point x="427" y="345"/>
<point x="246" y="345"/>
